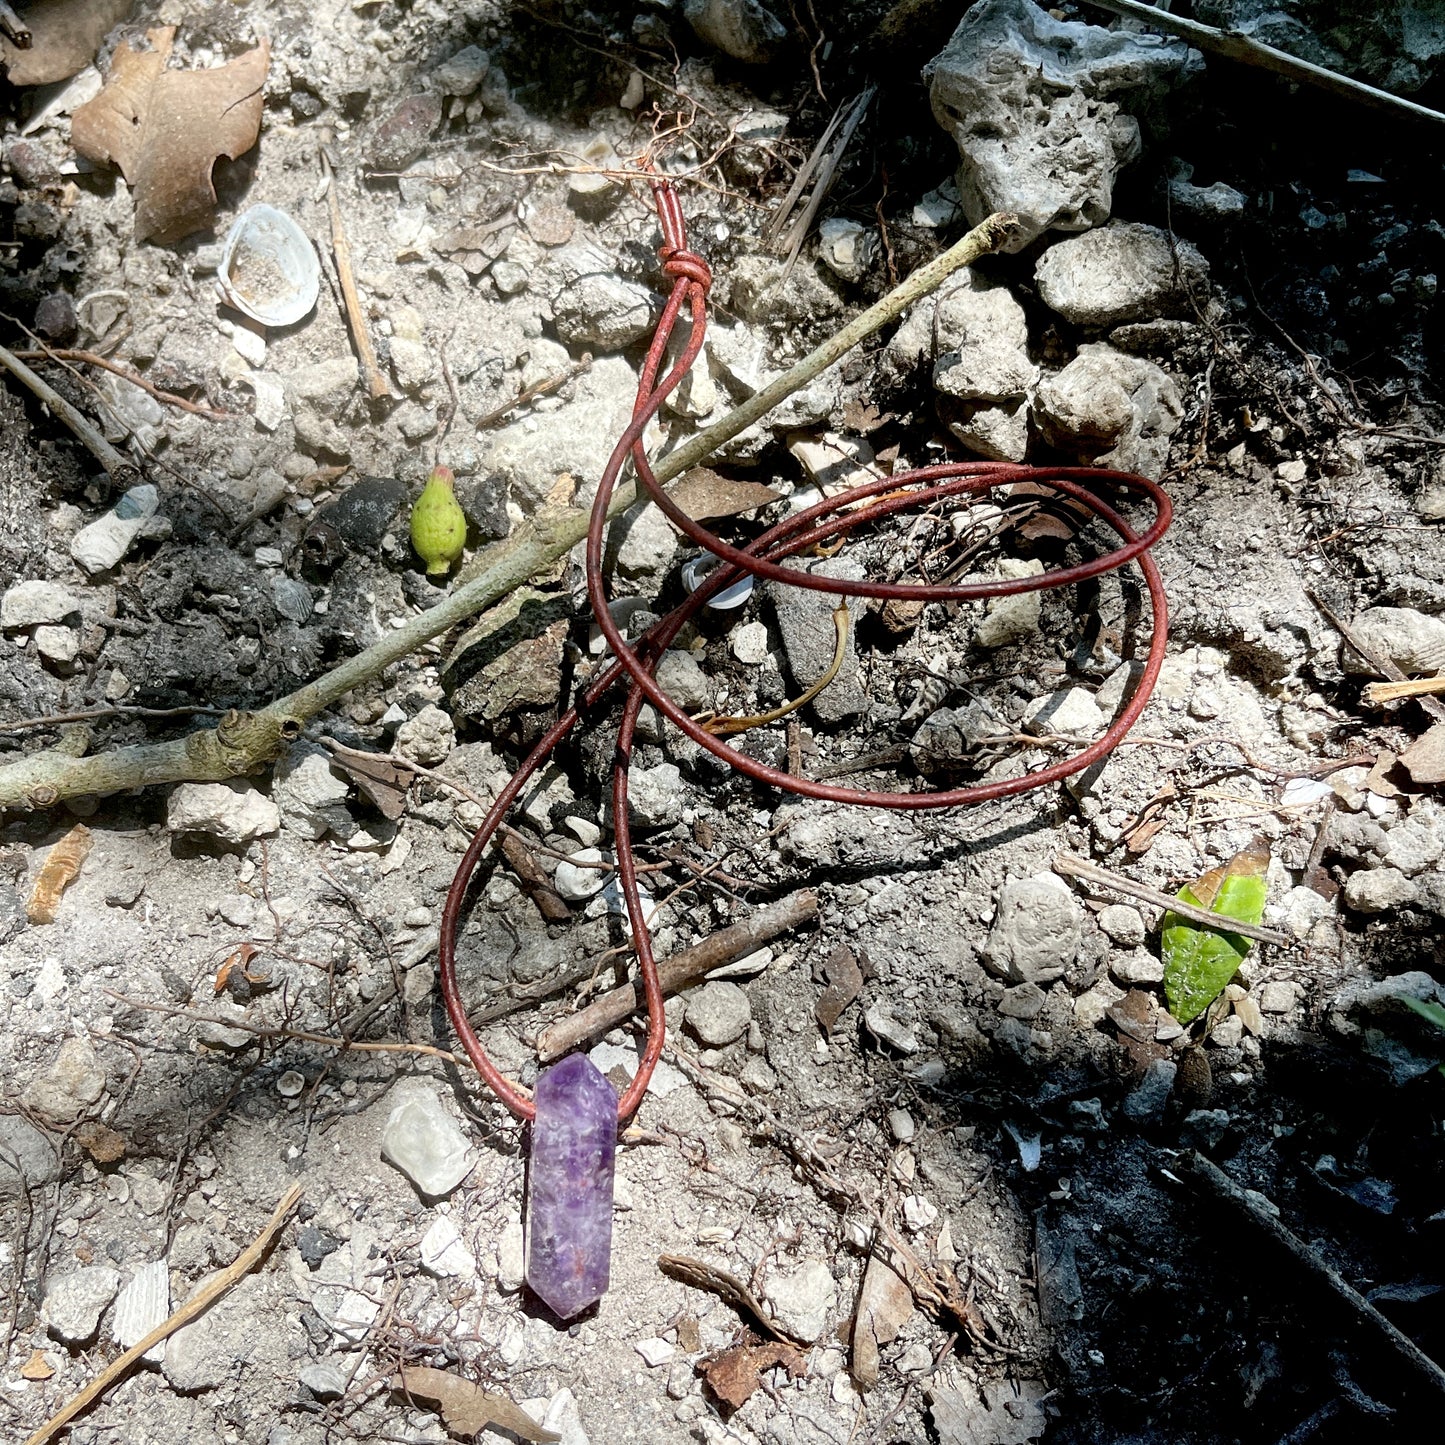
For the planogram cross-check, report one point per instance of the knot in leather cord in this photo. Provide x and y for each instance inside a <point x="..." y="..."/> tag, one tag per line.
<point x="682" y="262"/>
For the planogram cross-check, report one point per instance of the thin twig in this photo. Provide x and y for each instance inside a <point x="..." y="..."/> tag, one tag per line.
<point x="122" y="470"/>
<point x="201" y="1301"/>
<point x="247" y="742"/>
<point x="1206" y="1174"/>
<point x="91" y="358"/>
<point x="1232" y="46"/>
<point x="580" y="367"/>
<point x="355" y="317"/>
<point x="679" y="971"/>
<point x="1074" y="867"/>
<point x="92" y="714"/>
<point x="1383" y="665"/>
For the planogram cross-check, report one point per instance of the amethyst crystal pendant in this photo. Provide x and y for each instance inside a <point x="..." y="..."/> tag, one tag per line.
<point x="569" y="1187"/>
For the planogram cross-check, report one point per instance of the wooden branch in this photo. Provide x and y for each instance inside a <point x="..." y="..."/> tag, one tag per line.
<point x="679" y="971"/>
<point x="1074" y="867"/>
<point x="1410" y="687"/>
<point x="1231" y="46"/>
<point x="43" y="779"/>
<point x="92" y="358"/>
<point x="1208" y="1176"/>
<point x="198" y="1304"/>
<point x="376" y="384"/>
<point x="122" y="470"/>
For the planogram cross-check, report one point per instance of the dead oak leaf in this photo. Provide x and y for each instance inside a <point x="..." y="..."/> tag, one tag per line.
<point x="64" y="36"/>
<point x="704" y="495"/>
<point x="166" y="129"/>
<point x="733" y="1374"/>
<point x="466" y="1408"/>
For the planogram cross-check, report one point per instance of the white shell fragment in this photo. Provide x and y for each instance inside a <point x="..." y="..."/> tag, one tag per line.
<point x="696" y="572"/>
<point x="269" y="270"/>
<point x="290" y="1084"/>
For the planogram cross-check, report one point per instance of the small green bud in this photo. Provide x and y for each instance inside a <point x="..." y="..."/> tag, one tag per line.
<point x="438" y="524"/>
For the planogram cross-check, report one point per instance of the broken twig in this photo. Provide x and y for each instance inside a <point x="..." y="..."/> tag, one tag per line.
<point x="1229" y="45"/>
<point x="1410" y="687"/>
<point x="201" y="1301"/>
<point x="679" y="971"/>
<point x="376" y="385"/>
<point x="1074" y="867"/>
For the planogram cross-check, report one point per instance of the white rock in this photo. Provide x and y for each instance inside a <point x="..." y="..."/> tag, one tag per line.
<point x="602" y="310"/>
<point x="1071" y="712"/>
<point x="574" y="881"/>
<point x="325" y="1381"/>
<point x="463" y="72"/>
<point x="1227" y="1033"/>
<point x="1413" y="641"/>
<point x="1278" y="996"/>
<point x="981" y="342"/>
<point x="324" y="385"/>
<point x="73" y="1081"/>
<point x="310" y="795"/>
<point x="654" y="1352"/>
<point x="510" y="278"/>
<point x="1377" y="890"/>
<point x="656" y="796"/>
<point x="1029" y="100"/>
<point x="413" y="363"/>
<point x="1110" y="409"/>
<point x="744" y="29"/>
<point x="847" y="248"/>
<point x="233" y="812"/>
<point x="444" y="1252"/>
<point x="102" y="544"/>
<point x="885" y="1026"/>
<point x="749" y="643"/>
<point x="74" y="1302"/>
<point x="1012" y="618"/>
<point x="1137" y="968"/>
<point x="1123" y="923"/>
<point x="998" y="432"/>
<point x="423" y="1141"/>
<point x="802" y="1298"/>
<point x="918" y="1213"/>
<point x="511" y="1257"/>
<point x="36" y="603"/>
<point x="58" y="644"/>
<point x="144" y="1303"/>
<point x="1036" y="932"/>
<point x="427" y="738"/>
<point x="1122" y="272"/>
<point x="718" y="1013"/>
<point x="683" y="680"/>
<point x="647" y="546"/>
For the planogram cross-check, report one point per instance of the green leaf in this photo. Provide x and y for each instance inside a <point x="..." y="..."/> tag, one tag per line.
<point x="1199" y="962"/>
<point x="1431" y="1011"/>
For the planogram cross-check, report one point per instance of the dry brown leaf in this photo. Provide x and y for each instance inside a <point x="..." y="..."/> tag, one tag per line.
<point x="467" y="1408"/>
<point x="166" y="129"/>
<point x="64" y="36"/>
<point x="60" y="868"/>
<point x="885" y="1305"/>
<point x="732" y="1374"/>
<point x="378" y="780"/>
<point x="703" y="494"/>
<point x="37" y="1367"/>
<point x="844" y="981"/>
<point x="1377" y="782"/>
<point x="1424" y="759"/>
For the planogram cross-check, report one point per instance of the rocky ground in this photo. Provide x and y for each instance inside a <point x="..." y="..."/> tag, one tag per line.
<point x="940" y="1132"/>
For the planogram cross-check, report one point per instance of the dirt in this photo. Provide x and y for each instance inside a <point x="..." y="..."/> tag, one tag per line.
<point x="1080" y="1289"/>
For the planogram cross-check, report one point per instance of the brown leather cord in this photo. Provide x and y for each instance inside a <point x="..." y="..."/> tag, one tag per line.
<point x="763" y="557"/>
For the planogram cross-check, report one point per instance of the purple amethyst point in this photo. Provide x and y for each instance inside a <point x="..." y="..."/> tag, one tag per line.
<point x="569" y="1187"/>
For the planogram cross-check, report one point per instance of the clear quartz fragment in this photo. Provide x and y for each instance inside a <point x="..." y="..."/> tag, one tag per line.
<point x="569" y="1188"/>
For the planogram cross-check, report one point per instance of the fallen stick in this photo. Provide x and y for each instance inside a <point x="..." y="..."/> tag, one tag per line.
<point x="122" y="470"/>
<point x="92" y="358"/>
<point x="1410" y="687"/>
<point x="1229" y="45"/>
<point x="678" y="971"/>
<point x="251" y="741"/>
<point x="1383" y="665"/>
<point x="201" y="1301"/>
<point x="1074" y="867"/>
<point x="376" y="385"/>
<point x="1207" y="1175"/>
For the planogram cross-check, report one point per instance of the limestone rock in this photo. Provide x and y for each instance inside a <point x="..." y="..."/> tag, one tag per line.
<point x="981" y="340"/>
<point x="1110" y="409"/>
<point x="1014" y="618"/>
<point x="144" y="1303"/>
<point x="801" y="1299"/>
<point x="1414" y="641"/>
<point x="744" y="29"/>
<point x="73" y="1082"/>
<point x="74" y="1302"/>
<point x="311" y="797"/>
<point x="719" y="1013"/>
<point x="656" y="796"/>
<point x="1071" y="711"/>
<point x="1036" y="932"/>
<point x="1121" y="272"/>
<point x="233" y="812"/>
<point x="102" y="544"/>
<point x="422" y="1140"/>
<point x="1377" y="890"/>
<point x="1031" y="104"/>
<point x="27" y="1162"/>
<point x="805" y="619"/>
<point x="428" y="738"/>
<point x="36" y="603"/>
